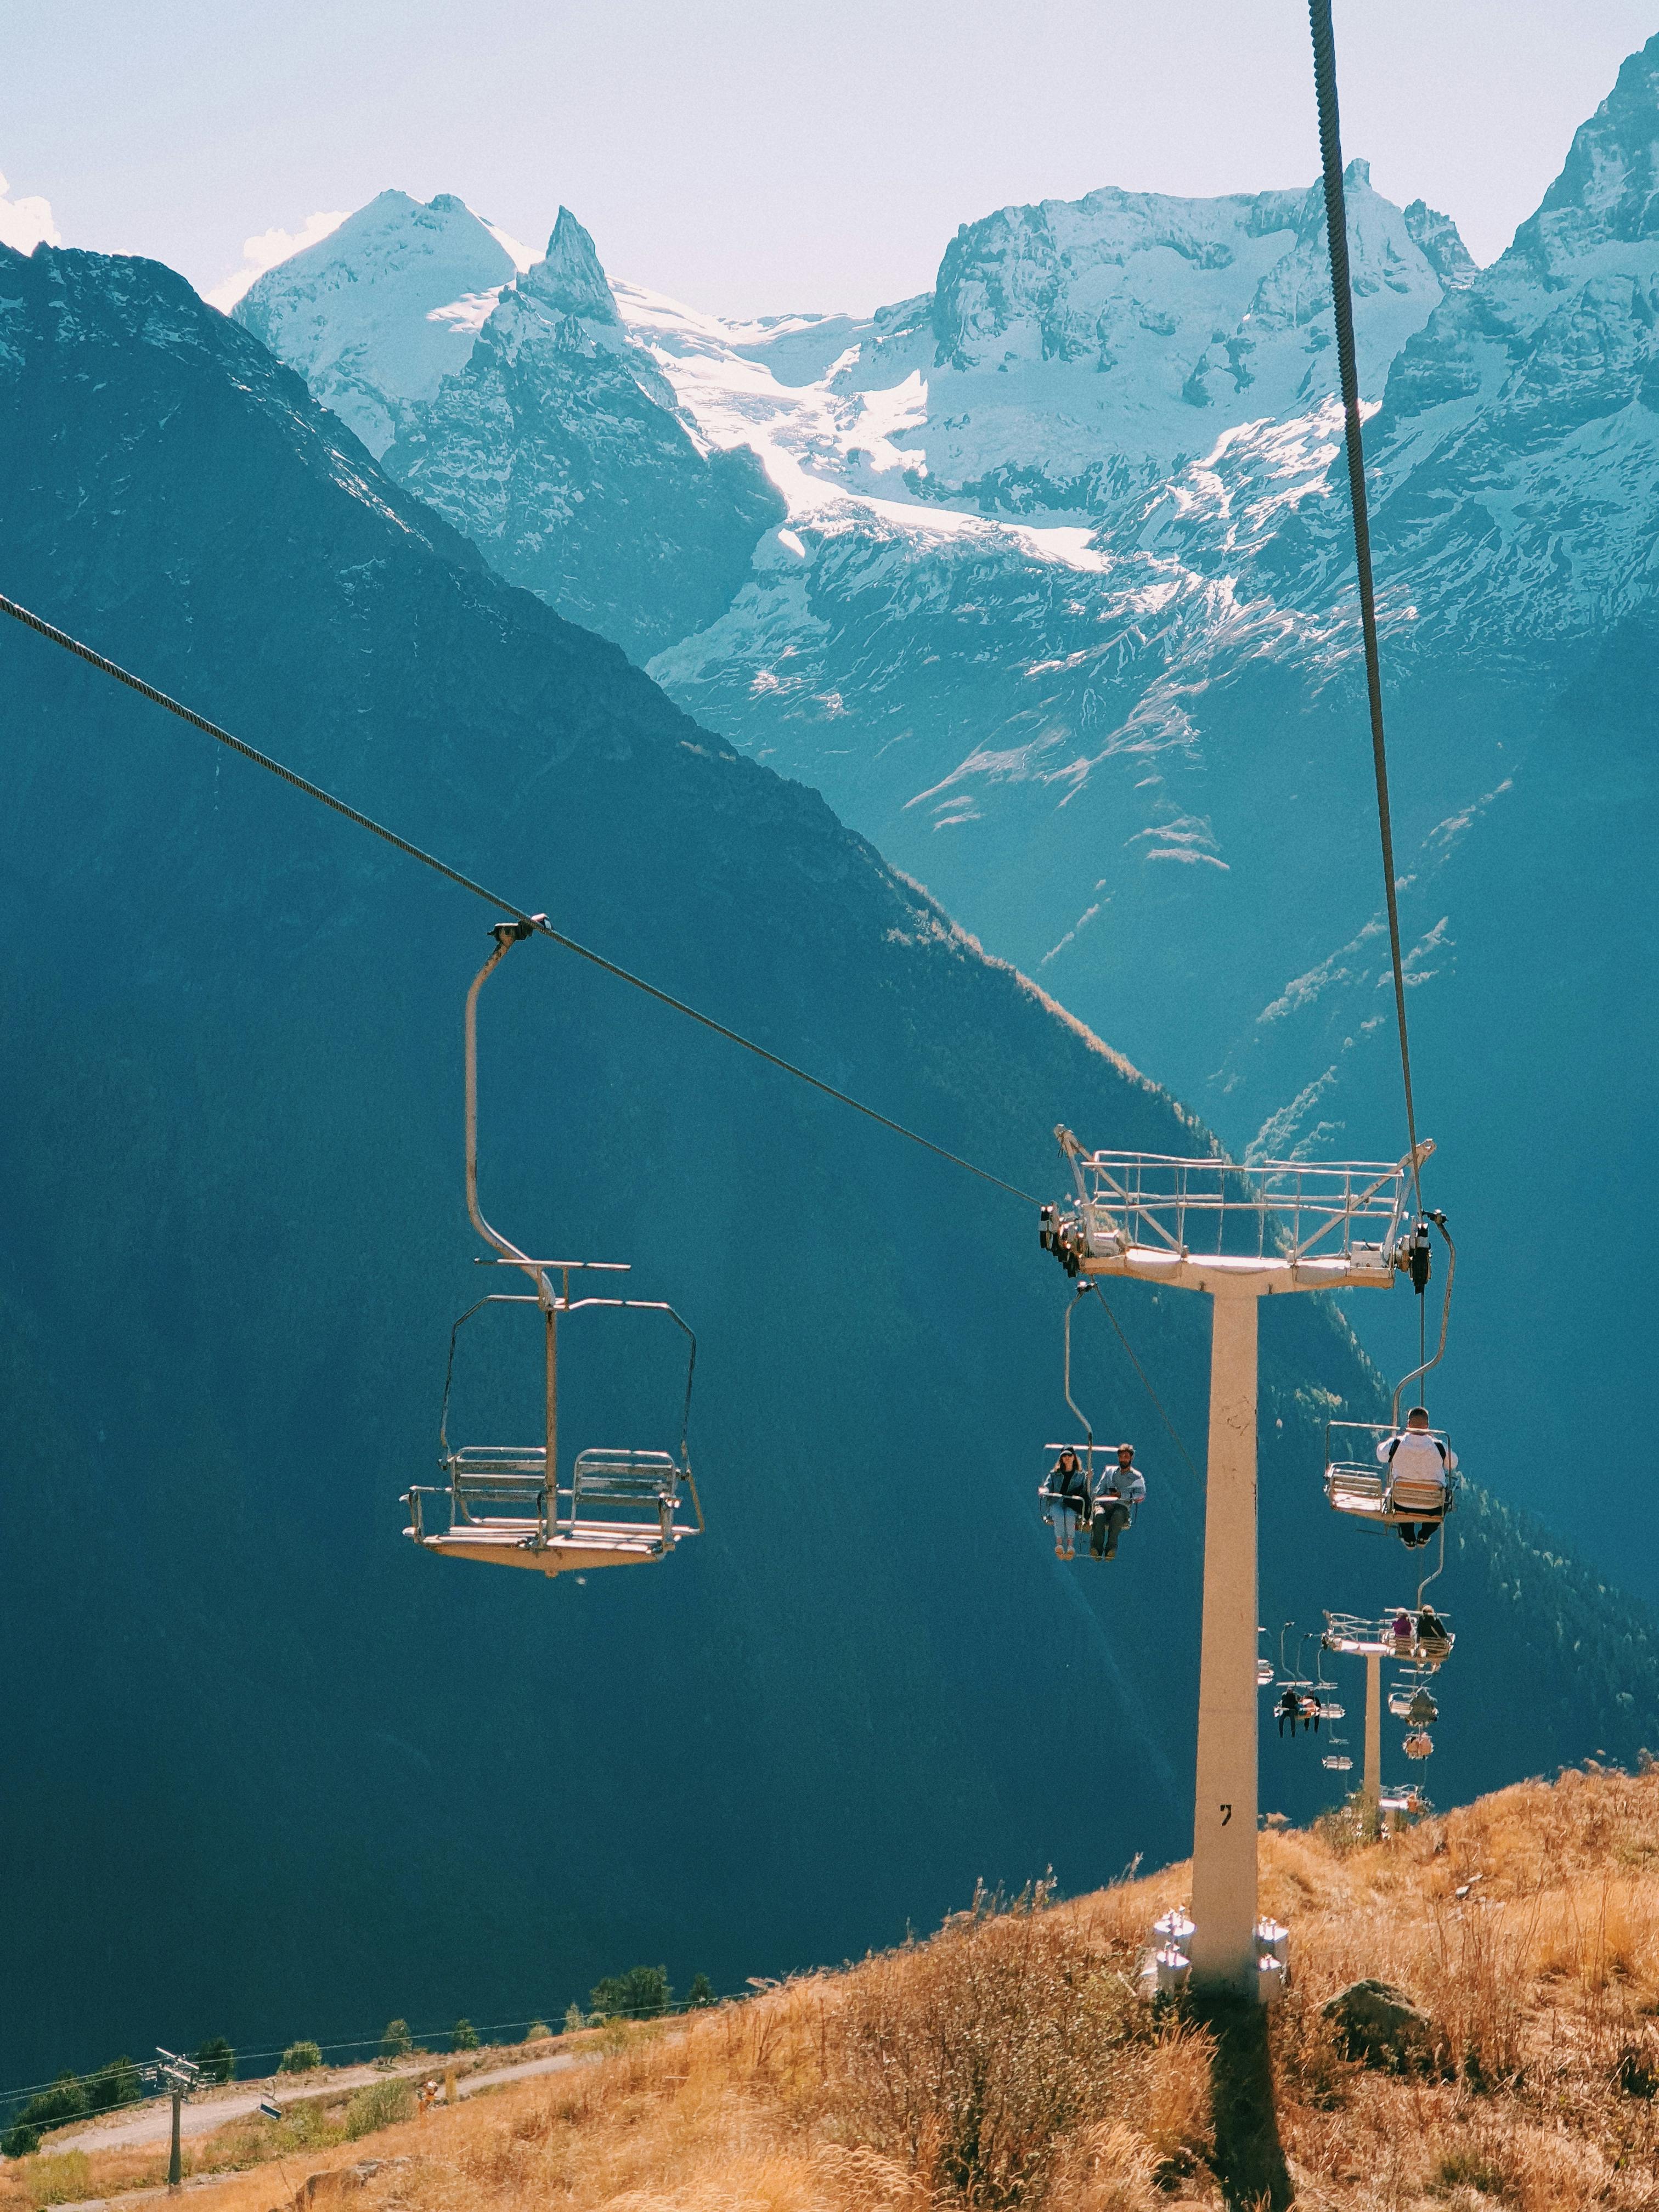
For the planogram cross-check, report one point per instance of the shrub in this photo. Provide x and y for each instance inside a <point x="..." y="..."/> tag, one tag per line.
<point x="575" y="2019"/>
<point x="382" y="2105"/>
<point x="215" y="2058"/>
<point x="465" y="2036"/>
<point x="66" y="2099"/>
<point x="701" y="1993"/>
<point x="971" y="2059"/>
<point x="397" y="2042"/>
<point x="642" y="1993"/>
<point x="299" y="2058"/>
<point x="64" y="2179"/>
<point x="537" y="2032"/>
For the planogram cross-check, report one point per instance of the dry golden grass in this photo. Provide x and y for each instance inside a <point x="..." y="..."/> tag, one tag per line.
<point x="1006" y="2064"/>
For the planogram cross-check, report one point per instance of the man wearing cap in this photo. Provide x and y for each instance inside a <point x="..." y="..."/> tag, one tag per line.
<point x="1116" y="1489"/>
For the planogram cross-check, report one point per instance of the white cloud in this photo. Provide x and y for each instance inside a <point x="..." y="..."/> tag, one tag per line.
<point x="25" y="223"/>
<point x="269" y="247"/>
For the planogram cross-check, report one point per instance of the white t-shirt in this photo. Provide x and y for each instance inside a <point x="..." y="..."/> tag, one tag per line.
<point x="1418" y="1455"/>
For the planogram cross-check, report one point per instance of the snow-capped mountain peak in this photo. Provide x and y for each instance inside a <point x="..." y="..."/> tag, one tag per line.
<point x="1607" y="191"/>
<point x="379" y="313"/>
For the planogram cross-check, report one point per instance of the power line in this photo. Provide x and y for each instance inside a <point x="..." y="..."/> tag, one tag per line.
<point x="538" y="922"/>
<point x="1336" y="225"/>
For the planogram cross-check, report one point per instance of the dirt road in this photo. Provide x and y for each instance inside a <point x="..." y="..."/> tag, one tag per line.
<point x="152" y="2121"/>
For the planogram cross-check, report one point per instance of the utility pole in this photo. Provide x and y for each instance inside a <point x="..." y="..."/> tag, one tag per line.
<point x="178" y="2077"/>
<point x="1239" y="1234"/>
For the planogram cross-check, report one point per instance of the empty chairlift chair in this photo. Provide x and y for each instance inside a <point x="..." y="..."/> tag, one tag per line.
<point x="509" y="1504"/>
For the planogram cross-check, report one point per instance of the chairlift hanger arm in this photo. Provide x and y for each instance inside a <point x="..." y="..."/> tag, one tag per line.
<point x="506" y="934"/>
<point x="1078" y="1414"/>
<point x="1439" y="1221"/>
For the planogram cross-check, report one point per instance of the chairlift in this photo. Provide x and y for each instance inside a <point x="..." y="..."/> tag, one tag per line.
<point x="1298" y="1698"/>
<point x="1331" y="1709"/>
<point x="1379" y="1493"/>
<point x="1412" y="1701"/>
<point x="1084" y="1451"/>
<point x="1363" y="1480"/>
<point x="1338" y="1761"/>
<point x="1404" y="1799"/>
<point x="1264" y="1666"/>
<point x="1420" y="1744"/>
<point x="508" y="1504"/>
<point x="1399" y="1635"/>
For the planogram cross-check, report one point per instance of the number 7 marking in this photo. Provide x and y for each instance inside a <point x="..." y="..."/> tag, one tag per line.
<point x="1226" y="1814"/>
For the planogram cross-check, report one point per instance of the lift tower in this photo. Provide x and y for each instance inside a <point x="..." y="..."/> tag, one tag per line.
<point x="1240" y="1234"/>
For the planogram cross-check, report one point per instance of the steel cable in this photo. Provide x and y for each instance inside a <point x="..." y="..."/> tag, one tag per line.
<point x="1175" y="1432"/>
<point x="1336" y="225"/>
<point x="538" y="922"/>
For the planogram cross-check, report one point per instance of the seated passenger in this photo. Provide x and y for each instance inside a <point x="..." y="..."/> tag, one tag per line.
<point x="1414" y="1456"/>
<point x="1065" y="1490"/>
<point x="1431" y="1629"/>
<point x="1288" y="1709"/>
<point x="1404" y="1629"/>
<point x="1117" y="1489"/>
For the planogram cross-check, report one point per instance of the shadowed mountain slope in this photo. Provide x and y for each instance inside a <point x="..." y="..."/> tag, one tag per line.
<point x="274" y="1772"/>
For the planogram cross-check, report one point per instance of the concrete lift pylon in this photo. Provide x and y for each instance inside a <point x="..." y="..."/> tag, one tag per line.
<point x="1239" y="1234"/>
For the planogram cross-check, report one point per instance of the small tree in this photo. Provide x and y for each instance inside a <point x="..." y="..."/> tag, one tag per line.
<point x="215" y="2058"/>
<point x="299" y="2058"/>
<point x="701" y="1993"/>
<point x="575" y="2019"/>
<point x="117" y="2083"/>
<point x="20" y="2141"/>
<point x="642" y="1993"/>
<point x="465" y="2036"/>
<point x="397" y="2042"/>
<point x="537" y="2032"/>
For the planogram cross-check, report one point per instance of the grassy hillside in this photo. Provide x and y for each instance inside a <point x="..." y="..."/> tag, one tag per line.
<point x="1007" y="2063"/>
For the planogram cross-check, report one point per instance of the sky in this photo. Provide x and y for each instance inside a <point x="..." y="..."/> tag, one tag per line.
<point x="760" y="157"/>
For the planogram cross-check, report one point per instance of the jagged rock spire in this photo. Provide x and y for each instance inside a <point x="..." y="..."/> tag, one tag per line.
<point x="571" y="278"/>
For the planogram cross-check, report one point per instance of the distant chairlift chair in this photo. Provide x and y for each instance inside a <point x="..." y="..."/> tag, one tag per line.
<point x="505" y="1504"/>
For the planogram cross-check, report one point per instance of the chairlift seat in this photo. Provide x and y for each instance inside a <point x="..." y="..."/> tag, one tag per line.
<point x="499" y="1509"/>
<point x="1376" y="1492"/>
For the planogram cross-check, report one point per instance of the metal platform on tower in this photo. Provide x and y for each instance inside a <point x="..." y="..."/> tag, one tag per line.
<point x="1204" y="1224"/>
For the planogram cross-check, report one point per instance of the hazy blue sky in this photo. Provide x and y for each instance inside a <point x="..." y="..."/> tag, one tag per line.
<point x="756" y="154"/>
